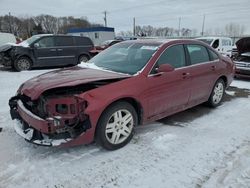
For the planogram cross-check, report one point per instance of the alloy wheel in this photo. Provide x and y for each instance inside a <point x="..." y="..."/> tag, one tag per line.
<point x="119" y="126"/>
<point x="23" y="64"/>
<point x="218" y="92"/>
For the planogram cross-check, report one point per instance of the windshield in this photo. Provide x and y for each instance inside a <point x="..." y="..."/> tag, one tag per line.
<point x="208" y="41"/>
<point x="128" y="58"/>
<point x="30" y="40"/>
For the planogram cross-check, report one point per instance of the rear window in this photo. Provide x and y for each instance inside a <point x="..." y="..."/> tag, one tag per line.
<point x="64" y="41"/>
<point x="198" y="54"/>
<point x="83" y="41"/>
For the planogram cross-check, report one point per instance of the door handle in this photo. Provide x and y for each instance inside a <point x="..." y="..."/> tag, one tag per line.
<point x="185" y="75"/>
<point x="59" y="49"/>
<point x="213" y="67"/>
<point x="52" y="50"/>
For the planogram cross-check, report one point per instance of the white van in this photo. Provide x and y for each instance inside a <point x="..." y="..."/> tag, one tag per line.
<point x="224" y="45"/>
<point x="7" y="38"/>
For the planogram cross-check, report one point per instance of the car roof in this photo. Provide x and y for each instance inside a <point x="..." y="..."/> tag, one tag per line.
<point x="161" y="41"/>
<point x="64" y="35"/>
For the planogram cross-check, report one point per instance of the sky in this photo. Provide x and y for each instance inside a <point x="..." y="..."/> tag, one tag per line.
<point x="158" y="13"/>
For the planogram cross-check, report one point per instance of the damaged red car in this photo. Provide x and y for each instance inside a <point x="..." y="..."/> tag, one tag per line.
<point x="129" y="84"/>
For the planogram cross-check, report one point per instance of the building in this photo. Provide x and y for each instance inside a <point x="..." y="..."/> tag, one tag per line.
<point x="97" y="34"/>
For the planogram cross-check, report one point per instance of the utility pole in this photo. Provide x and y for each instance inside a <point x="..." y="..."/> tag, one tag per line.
<point x="105" y="17"/>
<point x="179" y="29"/>
<point x="10" y="23"/>
<point x="134" y="26"/>
<point x="203" y="25"/>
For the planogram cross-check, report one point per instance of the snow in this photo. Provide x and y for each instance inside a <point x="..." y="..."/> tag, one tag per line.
<point x="200" y="147"/>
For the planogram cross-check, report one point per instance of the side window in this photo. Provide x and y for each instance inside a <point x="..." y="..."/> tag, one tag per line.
<point x="226" y="42"/>
<point x="46" y="42"/>
<point x="174" y="56"/>
<point x="83" y="41"/>
<point x="213" y="56"/>
<point x="198" y="54"/>
<point x="64" y="41"/>
<point x="96" y="35"/>
<point x="215" y="44"/>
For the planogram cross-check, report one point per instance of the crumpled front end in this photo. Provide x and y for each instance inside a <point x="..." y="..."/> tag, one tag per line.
<point x="6" y="55"/>
<point x="50" y="120"/>
<point x="242" y="64"/>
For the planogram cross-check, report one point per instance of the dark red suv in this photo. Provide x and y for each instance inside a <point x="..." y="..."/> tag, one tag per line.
<point x="126" y="85"/>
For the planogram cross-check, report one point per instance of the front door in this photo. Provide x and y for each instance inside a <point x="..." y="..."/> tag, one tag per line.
<point x="168" y="92"/>
<point x="45" y="51"/>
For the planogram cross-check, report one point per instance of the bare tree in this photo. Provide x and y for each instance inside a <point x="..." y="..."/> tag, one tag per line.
<point x="234" y="29"/>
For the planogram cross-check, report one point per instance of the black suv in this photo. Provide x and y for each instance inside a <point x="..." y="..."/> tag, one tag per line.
<point x="47" y="50"/>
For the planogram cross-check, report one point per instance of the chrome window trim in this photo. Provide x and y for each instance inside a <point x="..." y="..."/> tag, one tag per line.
<point x="54" y="57"/>
<point x="187" y="66"/>
<point x="160" y="56"/>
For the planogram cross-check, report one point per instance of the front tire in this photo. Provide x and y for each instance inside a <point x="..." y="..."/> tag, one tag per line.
<point x="83" y="58"/>
<point x="115" y="128"/>
<point x="217" y="93"/>
<point x="22" y="64"/>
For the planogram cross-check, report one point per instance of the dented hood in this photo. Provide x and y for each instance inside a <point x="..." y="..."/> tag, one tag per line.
<point x="63" y="78"/>
<point x="5" y="47"/>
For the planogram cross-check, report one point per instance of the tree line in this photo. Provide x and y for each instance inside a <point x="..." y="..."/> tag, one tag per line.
<point x="26" y="26"/>
<point x="230" y="29"/>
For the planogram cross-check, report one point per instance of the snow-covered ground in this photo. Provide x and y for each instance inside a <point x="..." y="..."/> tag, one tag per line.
<point x="200" y="147"/>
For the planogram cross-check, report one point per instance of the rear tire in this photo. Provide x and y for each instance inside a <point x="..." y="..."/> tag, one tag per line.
<point x="115" y="128"/>
<point x="22" y="64"/>
<point x="217" y="93"/>
<point x="83" y="58"/>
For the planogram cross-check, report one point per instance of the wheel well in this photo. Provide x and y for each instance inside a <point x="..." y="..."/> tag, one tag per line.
<point x="137" y="106"/>
<point x="134" y="103"/>
<point x="224" y="78"/>
<point x="26" y="57"/>
<point x="83" y="55"/>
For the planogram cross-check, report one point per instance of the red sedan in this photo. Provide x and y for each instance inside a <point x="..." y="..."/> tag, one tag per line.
<point x="127" y="85"/>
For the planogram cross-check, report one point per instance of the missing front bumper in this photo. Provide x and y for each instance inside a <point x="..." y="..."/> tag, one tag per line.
<point x="34" y="136"/>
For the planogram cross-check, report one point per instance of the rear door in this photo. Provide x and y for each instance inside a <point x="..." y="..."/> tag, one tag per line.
<point x="84" y="45"/>
<point x="45" y="51"/>
<point x="169" y="92"/>
<point x="66" y="50"/>
<point x="203" y="72"/>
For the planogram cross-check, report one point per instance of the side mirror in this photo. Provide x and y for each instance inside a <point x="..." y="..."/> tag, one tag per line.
<point x="165" y="68"/>
<point x="36" y="45"/>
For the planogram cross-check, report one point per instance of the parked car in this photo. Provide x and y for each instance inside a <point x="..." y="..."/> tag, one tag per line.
<point x="104" y="45"/>
<point x="242" y="58"/>
<point x="47" y="50"/>
<point x="7" y="38"/>
<point x="128" y="84"/>
<point x="223" y="45"/>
